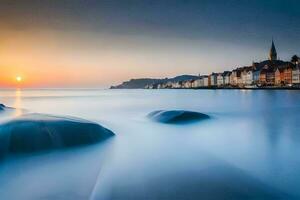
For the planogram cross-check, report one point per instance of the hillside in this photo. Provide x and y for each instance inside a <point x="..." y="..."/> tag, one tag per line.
<point x="142" y="82"/>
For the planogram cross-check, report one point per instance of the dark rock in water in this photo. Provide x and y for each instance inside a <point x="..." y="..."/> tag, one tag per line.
<point x="36" y="132"/>
<point x="2" y="107"/>
<point x="177" y="116"/>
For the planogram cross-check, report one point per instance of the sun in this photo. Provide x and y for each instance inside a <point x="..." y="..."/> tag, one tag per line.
<point x="19" y="79"/>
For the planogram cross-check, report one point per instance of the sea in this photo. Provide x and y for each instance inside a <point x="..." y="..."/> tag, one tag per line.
<point x="248" y="149"/>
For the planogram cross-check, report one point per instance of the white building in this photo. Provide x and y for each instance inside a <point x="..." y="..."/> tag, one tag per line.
<point x="244" y="76"/>
<point x="197" y="83"/>
<point x="239" y="79"/>
<point x="249" y="77"/>
<point x="220" y="80"/>
<point x="227" y="75"/>
<point x="205" y="81"/>
<point x="296" y="75"/>
<point x="213" y="79"/>
<point x="187" y="84"/>
<point x="168" y="84"/>
<point x="233" y="77"/>
<point x="176" y="85"/>
<point x="193" y="82"/>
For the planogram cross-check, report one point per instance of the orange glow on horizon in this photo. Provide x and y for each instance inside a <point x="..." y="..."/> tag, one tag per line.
<point x="83" y="60"/>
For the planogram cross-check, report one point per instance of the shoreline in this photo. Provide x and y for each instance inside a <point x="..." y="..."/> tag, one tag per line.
<point x="213" y="88"/>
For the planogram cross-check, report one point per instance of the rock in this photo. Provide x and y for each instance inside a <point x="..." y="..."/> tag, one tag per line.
<point x="2" y="107"/>
<point x="36" y="132"/>
<point x="177" y="116"/>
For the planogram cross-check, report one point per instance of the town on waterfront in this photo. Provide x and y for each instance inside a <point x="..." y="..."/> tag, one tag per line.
<point x="272" y="73"/>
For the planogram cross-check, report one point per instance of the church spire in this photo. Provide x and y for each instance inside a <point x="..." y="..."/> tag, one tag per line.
<point x="273" y="53"/>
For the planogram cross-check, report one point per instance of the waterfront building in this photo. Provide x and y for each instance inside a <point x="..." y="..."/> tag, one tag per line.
<point x="201" y="81"/>
<point x="256" y="76"/>
<point x="243" y="75"/>
<point x="187" y="84"/>
<point x="246" y="76"/>
<point x="220" y="79"/>
<point x="226" y="76"/>
<point x="181" y="84"/>
<point x="176" y="84"/>
<point x="263" y="77"/>
<point x="270" y="76"/>
<point x="197" y="83"/>
<point x="213" y="79"/>
<point x="279" y="76"/>
<point x="169" y="84"/>
<point x="249" y="77"/>
<point x="206" y="81"/>
<point x="193" y="83"/>
<point x="288" y="75"/>
<point x="233" y="77"/>
<point x="296" y="75"/>
<point x="239" y="79"/>
<point x="267" y="76"/>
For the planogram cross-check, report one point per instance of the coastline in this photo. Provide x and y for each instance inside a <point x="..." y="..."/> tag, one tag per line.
<point x="270" y="74"/>
<point x="214" y="88"/>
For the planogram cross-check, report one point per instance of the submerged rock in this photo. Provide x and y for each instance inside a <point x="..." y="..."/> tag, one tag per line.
<point x="176" y="116"/>
<point x="35" y="132"/>
<point x="2" y="107"/>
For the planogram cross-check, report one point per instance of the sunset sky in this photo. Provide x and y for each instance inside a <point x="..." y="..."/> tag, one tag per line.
<point x="91" y="43"/>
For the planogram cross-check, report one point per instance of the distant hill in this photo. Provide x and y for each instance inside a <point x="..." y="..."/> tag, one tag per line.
<point x="183" y="78"/>
<point x="142" y="82"/>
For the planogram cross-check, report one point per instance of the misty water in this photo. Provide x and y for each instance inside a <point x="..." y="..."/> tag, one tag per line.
<point x="248" y="148"/>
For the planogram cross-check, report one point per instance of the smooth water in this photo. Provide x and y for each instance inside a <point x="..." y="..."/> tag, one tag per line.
<point x="249" y="148"/>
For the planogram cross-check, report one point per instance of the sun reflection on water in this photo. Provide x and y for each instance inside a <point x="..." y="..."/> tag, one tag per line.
<point x="18" y="103"/>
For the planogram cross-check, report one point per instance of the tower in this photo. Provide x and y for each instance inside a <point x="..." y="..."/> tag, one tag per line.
<point x="273" y="53"/>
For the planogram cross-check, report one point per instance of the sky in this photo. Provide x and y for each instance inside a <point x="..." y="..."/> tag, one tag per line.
<point x="91" y="43"/>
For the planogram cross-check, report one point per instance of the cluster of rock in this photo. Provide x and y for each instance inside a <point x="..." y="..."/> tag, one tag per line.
<point x="39" y="132"/>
